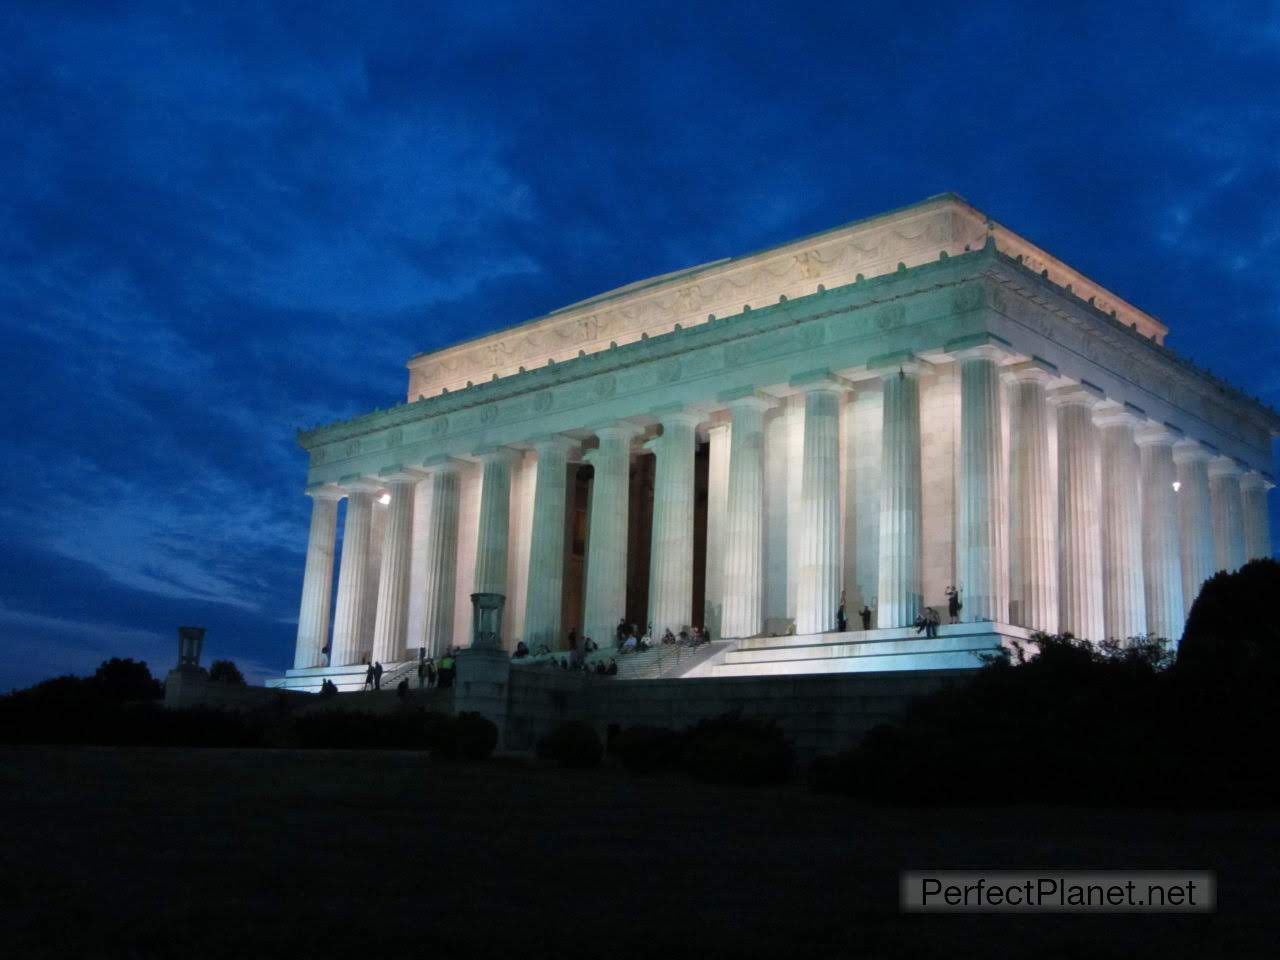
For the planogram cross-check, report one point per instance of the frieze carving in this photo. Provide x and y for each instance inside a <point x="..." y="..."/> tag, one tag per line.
<point x="606" y="386"/>
<point x="353" y="447"/>
<point x="669" y="371"/>
<point x="489" y="413"/>
<point x="812" y="335"/>
<point x="542" y="401"/>
<point x="873" y="247"/>
<point x="439" y="426"/>
<point x="891" y="315"/>
<point x="319" y="455"/>
<point x="394" y="437"/>
<point x="966" y="297"/>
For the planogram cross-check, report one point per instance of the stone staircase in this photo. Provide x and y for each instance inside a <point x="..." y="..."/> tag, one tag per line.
<point x="666" y="660"/>
<point x="959" y="646"/>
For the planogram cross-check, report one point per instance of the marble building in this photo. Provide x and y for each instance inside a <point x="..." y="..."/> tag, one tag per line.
<point x="912" y="401"/>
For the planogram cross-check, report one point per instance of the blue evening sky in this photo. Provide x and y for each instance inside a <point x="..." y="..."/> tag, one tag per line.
<point x="220" y="222"/>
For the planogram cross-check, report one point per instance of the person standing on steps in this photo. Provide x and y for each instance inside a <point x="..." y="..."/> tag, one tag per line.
<point x="865" y="614"/>
<point x="842" y="622"/>
<point x="954" y="606"/>
<point x="368" y="678"/>
<point x="377" y="675"/>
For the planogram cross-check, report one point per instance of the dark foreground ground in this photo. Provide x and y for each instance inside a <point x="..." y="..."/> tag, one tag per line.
<point x="276" y="853"/>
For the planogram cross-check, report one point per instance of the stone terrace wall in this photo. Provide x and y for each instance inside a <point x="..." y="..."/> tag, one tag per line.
<point x="822" y="714"/>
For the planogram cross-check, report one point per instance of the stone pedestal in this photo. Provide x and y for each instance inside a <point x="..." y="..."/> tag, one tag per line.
<point x="483" y="685"/>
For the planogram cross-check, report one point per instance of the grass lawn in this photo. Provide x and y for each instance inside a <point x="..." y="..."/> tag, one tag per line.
<point x="204" y="853"/>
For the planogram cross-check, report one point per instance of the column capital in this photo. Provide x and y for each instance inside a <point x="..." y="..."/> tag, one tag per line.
<point x="819" y="381"/>
<point x="1152" y="434"/>
<point x="1221" y="466"/>
<point x="979" y="346"/>
<point x="676" y="414"/>
<point x="400" y="475"/>
<point x="359" y="484"/>
<point x="556" y="443"/>
<point x="903" y="361"/>
<point x="747" y="398"/>
<point x="1077" y="394"/>
<point x="1256" y="480"/>
<point x="622" y="430"/>
<point x="325" y="491"/>
<point x="1110" y="413"/>
<point x="1035" y="370"/>
<point x="444" y="464"/>
<point x="494" y="454"/>
<point x="1190" y="451"/>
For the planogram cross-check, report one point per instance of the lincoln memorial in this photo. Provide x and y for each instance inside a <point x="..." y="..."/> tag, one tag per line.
<point x="915" y="401"/>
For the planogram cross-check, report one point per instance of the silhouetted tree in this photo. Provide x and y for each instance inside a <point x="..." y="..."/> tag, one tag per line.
<point x="123" y="680"/>
<point x="225" y="671"/>
<point x="1232" y="629"/>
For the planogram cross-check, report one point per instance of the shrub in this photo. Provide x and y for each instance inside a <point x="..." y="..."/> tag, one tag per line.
<point x="573" y="744"/>
<point x="751" y="751"/>
<point x="1232" y="631"/>
<point x="123" y="680"/>
<point x="225" y="671"/>
<point x="473" y="736"/>
<point x="646" y="750"/>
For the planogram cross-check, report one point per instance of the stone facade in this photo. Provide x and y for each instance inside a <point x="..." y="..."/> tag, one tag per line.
<point x="910" y="402"/>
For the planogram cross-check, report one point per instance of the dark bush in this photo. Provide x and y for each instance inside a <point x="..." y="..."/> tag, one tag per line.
<point x="647" y="750"/>
<point x="226" y="671"/>
<point x="1081" y="722"/>
<point x="573" y="744"/>
<point x="1232" y="631"/>
<point x="472" y="737"/>
<point x="123" y="680"/>
<point x="751" y="751"/>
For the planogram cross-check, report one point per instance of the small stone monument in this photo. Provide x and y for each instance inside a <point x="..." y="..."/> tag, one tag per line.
<point x="486" y="620"/>
<point x="188" y="674"/>
<point x="484" y="668"/>
<point x="190" y="642"/>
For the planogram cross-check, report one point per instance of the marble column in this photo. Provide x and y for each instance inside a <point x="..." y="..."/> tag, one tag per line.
<point x="900" y="497"/>
<point x="607" y="533"/>
<point x="1161" y="542"/>
<point x="1195" y="518"/>
<point x="317" y="580"/>
<point x="1079" y="532"/>
<point x="494" y="524"/>
<point x="1124" y="605"/>
<point x="1033" y="513"/>
<point x="982" y="574"/>
<point x="1228" y="514"/>
<point x="671" y="552"/>
<point x="545" y="597"/>
<point x="433" y="581"/>
<point x="718" y="442"/>
<point x="818" y="588"/>
<point x="743" y="612"/>
<point x="1257" y="519"/>
<point x="391" y="623"/>
<point x="377" y="536"/>
<point x="353" y="576"/>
